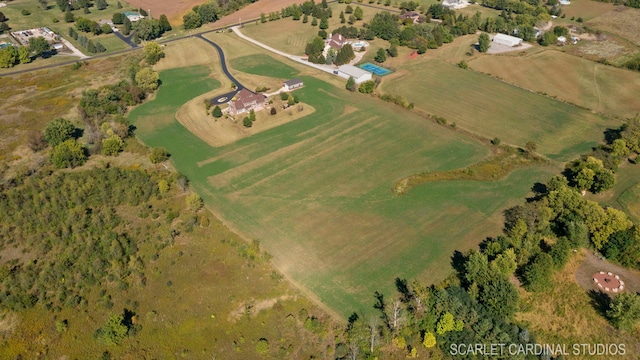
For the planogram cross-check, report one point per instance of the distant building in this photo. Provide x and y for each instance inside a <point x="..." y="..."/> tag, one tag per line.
<point x="23" y="36"/>
<point x="562" y="40"/>
<point x="292" y="84"/>
<point x="507" y="40"/>
<point x="359" y="75"/>
<point x="245" y="101"/>
<point x="455" y="4"/>
<point x="133" y="16"/>
<point x="410" y="15"/>
<point x="565" y="2"/>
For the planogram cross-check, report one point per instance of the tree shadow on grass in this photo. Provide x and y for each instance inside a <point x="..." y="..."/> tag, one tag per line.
<point x="600" y="301"/>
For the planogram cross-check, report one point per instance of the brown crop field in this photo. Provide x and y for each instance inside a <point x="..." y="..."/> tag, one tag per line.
<point x="586" y="9"/>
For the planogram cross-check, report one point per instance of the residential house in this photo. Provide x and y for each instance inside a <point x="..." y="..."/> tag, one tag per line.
<point x="245" y="100"/>
<point x="410" y="15"/>
<point x="337" y="41"/>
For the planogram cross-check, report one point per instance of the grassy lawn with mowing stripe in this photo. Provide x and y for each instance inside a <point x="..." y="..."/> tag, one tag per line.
<point x="586" y="83"/>
<point x="317" y="191"/>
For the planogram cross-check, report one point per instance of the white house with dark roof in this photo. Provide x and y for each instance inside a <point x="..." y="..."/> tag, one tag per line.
<point x="292" y="84"/>
<point x="245" y="100"/>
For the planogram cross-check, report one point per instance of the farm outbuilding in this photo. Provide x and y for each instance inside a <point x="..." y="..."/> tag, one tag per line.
<point x="507" y="40"/>
<point x="359" y="75"/>
<point x="292" y="84"/>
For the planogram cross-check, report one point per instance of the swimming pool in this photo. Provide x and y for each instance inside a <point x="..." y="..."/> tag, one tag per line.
<point x="377" y="70"/>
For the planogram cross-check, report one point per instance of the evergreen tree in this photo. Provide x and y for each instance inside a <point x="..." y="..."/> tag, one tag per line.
<point x="381" y="55"/>
<point x="351" y="84"/>
<point x="164" y="24"/>
<point x="217" y="112"/>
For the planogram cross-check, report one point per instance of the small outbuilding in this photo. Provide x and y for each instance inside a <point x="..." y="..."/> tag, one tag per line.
<point x="507" y="40"/>
<point x="359" y="75"/>
<point x="292" y="84"/>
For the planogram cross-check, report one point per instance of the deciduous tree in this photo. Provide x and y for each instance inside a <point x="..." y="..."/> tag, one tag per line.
<point x="484" y="42"/>
<point x="147" y="79"/>
<point x="68" y="154"/>
<point x="58" y="131"/>
<point x="153" y="52"/>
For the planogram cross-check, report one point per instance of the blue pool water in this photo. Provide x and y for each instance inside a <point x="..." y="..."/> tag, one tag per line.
<point x="377" y="70"/>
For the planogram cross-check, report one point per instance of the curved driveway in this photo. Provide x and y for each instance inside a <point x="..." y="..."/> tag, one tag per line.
<point x="223" y="63"/>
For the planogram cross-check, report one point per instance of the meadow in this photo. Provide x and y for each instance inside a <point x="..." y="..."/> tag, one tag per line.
<point x="622" y="22"/>
<point x="492" y="108"/>
<point x="582" y="82"/>
<point x="317" y="191"/>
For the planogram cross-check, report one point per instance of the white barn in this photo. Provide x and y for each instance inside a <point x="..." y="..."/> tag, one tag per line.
<point x="507" y="40"/>
<point x="359" y="75"/>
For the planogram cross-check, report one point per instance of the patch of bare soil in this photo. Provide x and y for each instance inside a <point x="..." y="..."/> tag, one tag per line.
<point x="8" y="322"/>
<point x="499" y="49"/>
<point x="592" y="264"/>
<point x="253" y="307"/>
<point x="603" y="49"/>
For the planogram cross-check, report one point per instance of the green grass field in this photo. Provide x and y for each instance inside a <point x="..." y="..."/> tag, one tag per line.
<point x="605" y="89"/>
<point x="263" y="65"/>
<point x="493" y="108"/>
<point x="317" y="191"/>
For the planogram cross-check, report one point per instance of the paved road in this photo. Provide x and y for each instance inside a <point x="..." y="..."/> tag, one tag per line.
<point x="223" y="62"/>
<point x="126" y="39"/>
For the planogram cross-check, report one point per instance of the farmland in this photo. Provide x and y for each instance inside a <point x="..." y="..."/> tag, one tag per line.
<point x="317" y="191"/>
<point x="585" y="83"/>
<point x="485" y="105"/>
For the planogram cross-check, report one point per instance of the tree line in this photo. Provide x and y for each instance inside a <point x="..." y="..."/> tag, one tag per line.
<point x="211" y="11"/>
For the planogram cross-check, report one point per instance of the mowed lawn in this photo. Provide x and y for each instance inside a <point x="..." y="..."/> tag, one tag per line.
<point x="492" y="108"/>
<point x="317" y="191"/>
<point x="605" y="89"/>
